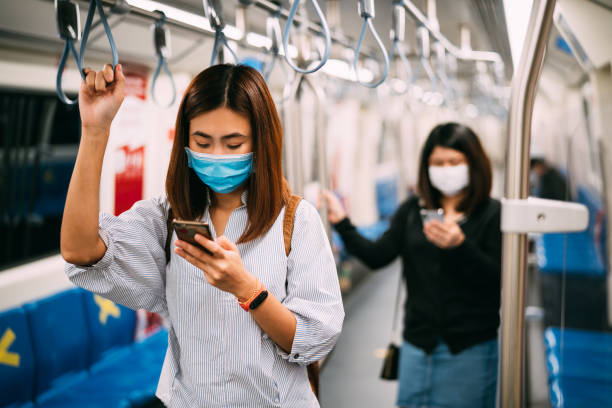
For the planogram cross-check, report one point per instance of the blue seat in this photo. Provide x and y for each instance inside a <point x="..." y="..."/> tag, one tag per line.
<point x="111" y="327"/>
<point x="16" y="360"/>
<point x="60" y="341"/>
<point x="374" y="231"/>
<point x="597" y="217"/>
<point x="135" y="376"/>
<point x="75" y="349"/>
<point x="578" y="393"/>
<point x="573" y="253"/>
<point x="387" y="196"/>
<point x="580" y="367"/>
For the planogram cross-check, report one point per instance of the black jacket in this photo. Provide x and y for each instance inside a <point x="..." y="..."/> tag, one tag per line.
<point x="453" y="294"/>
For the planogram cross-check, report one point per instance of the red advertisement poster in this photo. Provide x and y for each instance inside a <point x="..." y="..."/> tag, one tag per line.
<point x="128" y="177"/>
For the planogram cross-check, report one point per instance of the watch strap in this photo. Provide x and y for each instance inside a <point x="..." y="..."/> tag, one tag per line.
<point x="258" y="300"/>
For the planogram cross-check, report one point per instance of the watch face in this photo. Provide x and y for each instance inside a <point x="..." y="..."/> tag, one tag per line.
<point x="259" y="299"/>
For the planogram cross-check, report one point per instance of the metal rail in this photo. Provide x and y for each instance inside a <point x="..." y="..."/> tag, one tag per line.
<point x="514" y="245"/>
<point x="464" y="54"/>
<point x="262" y="4"/>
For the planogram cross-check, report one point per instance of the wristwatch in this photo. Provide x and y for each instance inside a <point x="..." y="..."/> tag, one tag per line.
<point x="258" y="300"/>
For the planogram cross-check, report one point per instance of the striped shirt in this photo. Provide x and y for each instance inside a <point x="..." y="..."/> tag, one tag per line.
<point x="217" y="355"/>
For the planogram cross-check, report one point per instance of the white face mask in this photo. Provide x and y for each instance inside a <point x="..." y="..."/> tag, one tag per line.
<point x="449" y="180"/>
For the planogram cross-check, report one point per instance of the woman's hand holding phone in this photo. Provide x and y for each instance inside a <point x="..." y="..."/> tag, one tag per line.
<point x="444" y="235"/>
<point x="223" y="267"/>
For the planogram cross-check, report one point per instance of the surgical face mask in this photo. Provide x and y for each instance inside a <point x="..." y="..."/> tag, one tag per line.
<point x="223" y="173"/>
<point x="449" y="180"/>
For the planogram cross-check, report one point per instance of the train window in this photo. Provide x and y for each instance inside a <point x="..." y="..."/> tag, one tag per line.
<point x="39" y="139"/>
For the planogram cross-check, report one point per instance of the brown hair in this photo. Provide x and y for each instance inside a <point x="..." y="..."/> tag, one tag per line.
<point x="461" y="138"/>
<point x="243" y="90"/>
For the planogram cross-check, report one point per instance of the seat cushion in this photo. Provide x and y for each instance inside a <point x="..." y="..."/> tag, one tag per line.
<point x="60" y="340"/>
<point x="111" y="326"/>
<point x="16" y="359"/>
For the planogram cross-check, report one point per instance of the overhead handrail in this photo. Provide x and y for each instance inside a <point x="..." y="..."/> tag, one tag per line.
<point x="273" y="32"/>
<point x="121" y="8"/>
<point x="93" y="5"/>
<point x="366" y="12"/>
<point x="69" y="30"/>
<point x="161" y="39"/>
<point x="326" y="35"/>
<point x="212" y="10"/>
<point x="421" y="20"/>
<point x="398" y="35"/>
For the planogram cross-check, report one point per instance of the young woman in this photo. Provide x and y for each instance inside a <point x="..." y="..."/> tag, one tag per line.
<point x="225" y="169"/>
<point x="452" y="270"/>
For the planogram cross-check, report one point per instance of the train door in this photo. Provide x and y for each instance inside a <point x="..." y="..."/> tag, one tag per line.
<point x="556" y="278"/>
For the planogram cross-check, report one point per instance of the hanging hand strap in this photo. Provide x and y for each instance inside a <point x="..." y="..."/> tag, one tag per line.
<point x="161" y="37"/>
<point x="212" y="10"/>
<point x="273" y="30"/>
<point x="93" y="5"/>
<point x="398" y="37"/>
<point x="69" y="29"/>
<point x="366" y="11"/>
<point x="326" y="35"/>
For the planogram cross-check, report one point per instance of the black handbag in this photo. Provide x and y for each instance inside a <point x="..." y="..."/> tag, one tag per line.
<point x="391" y="361"/>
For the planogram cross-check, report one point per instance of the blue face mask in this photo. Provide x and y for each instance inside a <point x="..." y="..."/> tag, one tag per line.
<point x="223" y="173"/>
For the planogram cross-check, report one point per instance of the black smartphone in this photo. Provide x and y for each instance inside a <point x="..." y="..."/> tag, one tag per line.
<point x="186" y="230"/>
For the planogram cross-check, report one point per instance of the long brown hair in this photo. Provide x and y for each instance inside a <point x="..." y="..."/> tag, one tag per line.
<point x="243" y="90"/>
<point x="461" y="138"/>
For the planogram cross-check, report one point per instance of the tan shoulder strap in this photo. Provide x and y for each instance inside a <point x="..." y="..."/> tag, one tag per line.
<point x="290" y="208"/>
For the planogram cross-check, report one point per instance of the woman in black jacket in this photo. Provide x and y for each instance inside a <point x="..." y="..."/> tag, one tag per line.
<point x="452" y="270"/>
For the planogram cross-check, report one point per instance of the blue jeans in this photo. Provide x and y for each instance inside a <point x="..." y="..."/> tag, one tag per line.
<point x="441" y="379"/>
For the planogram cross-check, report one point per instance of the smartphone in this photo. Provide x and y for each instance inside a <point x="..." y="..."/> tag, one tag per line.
<point x="186" y="230"/>
<point x="428" y="215"/>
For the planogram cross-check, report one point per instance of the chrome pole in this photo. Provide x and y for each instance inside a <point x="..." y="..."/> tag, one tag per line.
<point x="321" y="152"/>
<point x="514" y="249"/>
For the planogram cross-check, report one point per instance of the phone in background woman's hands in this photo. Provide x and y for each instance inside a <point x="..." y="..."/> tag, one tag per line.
<point x="428" y="215"/>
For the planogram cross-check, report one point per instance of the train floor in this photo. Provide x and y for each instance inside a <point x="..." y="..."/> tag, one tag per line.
<point x="351" y="374"/>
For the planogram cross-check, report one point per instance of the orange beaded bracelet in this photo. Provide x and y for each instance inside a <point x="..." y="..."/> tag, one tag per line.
<point x="256" y="290"/>
<point x="247" y="303"/>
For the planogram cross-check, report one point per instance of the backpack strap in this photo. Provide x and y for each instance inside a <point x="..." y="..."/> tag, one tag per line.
<point x="290" y="209"/>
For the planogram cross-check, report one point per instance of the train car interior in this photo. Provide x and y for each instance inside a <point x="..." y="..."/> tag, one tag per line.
<point x="358" y="85"/>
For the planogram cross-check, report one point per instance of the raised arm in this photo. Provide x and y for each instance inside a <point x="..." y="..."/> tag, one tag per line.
<point x="100" y="97"/>
<point x="375" y="254"/>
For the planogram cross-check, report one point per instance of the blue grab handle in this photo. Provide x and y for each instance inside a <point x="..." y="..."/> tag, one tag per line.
<point x="68" y="48"/>
<point x="161" y="63"/>
<point x="221" y="39"/>
<point x="326" y="34"/>
<point x="80" y="56"/>
<point x="367" y="22"/>
<point x="92" y="9"/>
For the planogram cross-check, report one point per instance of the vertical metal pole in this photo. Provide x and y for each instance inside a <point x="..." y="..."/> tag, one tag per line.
<point x="514" y="259"/>
<point x="321" y="151"/>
